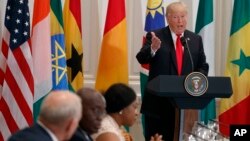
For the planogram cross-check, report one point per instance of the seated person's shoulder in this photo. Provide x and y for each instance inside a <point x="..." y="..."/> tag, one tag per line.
<point x="30" y="134"/>
<point x="107" y="136"/>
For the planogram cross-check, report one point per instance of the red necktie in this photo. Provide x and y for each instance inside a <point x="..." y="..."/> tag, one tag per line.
<point x="179" y="54"/>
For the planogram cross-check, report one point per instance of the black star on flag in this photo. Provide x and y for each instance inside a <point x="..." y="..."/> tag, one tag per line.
<point x="75" y="63"/>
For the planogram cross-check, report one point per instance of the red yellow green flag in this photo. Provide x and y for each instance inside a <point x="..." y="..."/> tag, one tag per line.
<point x="113" y="61"/>
<point x="73" y="43"/>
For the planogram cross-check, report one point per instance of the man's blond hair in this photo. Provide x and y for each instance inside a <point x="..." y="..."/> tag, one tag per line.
<point x="170" y="7"/>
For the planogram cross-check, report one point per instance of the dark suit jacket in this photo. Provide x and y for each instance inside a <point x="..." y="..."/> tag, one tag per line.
<point x="34" y="133"/>
<point x="164" y="63"/>
<point x="81" y="135"/>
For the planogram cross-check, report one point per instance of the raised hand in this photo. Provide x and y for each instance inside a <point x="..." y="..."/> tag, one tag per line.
<point x="156" y="137"/>
<point x="156" y="42"/>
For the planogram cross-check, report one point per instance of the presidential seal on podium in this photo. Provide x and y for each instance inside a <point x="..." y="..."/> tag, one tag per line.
<point x="196" y="84"/>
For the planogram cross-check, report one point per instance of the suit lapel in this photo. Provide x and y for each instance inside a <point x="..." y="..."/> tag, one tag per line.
<point x="170" y="43"/>
<point x="186" y="58"/>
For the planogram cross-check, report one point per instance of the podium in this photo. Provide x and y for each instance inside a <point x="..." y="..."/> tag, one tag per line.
<point x="173" y="87"/>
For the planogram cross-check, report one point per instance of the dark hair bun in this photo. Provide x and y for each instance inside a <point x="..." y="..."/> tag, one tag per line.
<point x="118" y="96"/>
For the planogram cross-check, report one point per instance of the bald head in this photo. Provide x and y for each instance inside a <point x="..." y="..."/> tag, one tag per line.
<point x="93" y="109"/>
<point x="60" y="106"/>
<point x="89" y="95"/>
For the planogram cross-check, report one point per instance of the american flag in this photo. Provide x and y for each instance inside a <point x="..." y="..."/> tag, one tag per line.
<point x="16" y="70"/>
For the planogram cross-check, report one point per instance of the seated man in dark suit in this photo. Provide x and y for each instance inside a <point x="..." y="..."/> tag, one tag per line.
<point x="58" y="119"/>
<point x="94" y="105"/>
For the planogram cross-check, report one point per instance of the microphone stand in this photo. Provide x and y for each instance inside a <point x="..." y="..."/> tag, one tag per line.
<point x="185" y="44"/>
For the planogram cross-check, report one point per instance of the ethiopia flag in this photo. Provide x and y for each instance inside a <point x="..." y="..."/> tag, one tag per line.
<point x="59" y="68"/>
<point x="235" y="110"/>
<point x="73" y="42"/>
<point x="113" y="61"/>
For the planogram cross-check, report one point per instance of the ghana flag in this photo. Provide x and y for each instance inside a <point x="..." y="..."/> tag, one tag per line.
<point x="73" y="43"/>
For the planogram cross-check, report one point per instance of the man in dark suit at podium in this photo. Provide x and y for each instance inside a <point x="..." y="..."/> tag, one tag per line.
<point x="166" y="55"/>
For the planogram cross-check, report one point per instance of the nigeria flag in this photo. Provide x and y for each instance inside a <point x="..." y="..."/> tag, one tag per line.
<point x="205" y="28"/>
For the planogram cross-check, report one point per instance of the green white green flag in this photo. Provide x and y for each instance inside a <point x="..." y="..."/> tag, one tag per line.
<point x="205" y="28"/>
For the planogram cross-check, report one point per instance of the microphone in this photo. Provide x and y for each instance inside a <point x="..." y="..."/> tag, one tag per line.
<point x="184" y="42"/>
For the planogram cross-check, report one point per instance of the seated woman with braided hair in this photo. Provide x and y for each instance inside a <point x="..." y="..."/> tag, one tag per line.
<point x="121" y="108"/>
